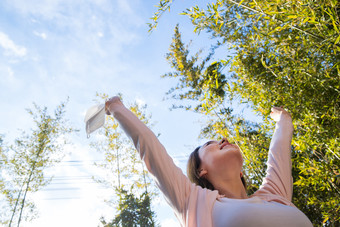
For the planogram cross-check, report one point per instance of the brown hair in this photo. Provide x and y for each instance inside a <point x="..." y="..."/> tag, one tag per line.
<point x="193" y="172"/>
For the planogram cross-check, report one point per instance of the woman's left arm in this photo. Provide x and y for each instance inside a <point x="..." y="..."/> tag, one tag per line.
<point x="278" y="180"/>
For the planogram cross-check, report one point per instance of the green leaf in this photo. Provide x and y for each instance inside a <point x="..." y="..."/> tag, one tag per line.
<point x="337" y="40"/>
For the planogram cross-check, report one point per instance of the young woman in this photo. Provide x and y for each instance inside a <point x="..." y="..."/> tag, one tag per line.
<point x="216" y="194"/>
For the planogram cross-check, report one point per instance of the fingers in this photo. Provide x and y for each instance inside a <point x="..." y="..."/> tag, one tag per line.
<point x="278" y="112"/>
<point x="107" y="111"/>
<point x="277" y="109"/>
<point x="115" y="100"/>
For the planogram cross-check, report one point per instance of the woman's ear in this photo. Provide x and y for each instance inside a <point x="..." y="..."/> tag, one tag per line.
<point x="202" y="172"/>
<point x="241" y="174"/>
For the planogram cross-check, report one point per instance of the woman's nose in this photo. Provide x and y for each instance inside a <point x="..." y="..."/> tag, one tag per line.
<point x="223" y="140"/>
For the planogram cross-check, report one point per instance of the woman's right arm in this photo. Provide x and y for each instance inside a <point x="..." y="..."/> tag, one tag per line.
<point x="169" y="178"/>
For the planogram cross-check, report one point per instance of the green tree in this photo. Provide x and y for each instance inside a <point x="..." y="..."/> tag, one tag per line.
<point x="133" y="210"/>
<point x="24" y="162"/>
<point x="126" y="173"/>
<point x="283" y="53"/>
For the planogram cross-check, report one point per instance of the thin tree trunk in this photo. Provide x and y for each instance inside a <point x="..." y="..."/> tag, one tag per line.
<point x="16" y="204"/>
<point x="118" y="170"/>
<point x="146" y="187"/>
<point x="29" y="180"/>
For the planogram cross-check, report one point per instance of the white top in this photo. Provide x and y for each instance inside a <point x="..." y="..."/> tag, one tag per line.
<point x="256" y="212"/>
<point x="195" y="206"/>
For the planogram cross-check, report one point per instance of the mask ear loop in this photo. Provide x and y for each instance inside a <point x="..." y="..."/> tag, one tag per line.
<point x="88" y="135"/>
<point x="87" y="129"/>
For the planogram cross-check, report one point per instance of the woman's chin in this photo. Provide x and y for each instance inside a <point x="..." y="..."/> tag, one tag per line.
<point x="232" y="153"/>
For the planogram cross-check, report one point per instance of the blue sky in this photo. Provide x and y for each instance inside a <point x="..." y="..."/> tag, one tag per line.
<point x="51" y="50"/>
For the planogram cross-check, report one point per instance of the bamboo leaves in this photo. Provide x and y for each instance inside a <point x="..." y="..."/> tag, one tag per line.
<point x="285" y="53"/>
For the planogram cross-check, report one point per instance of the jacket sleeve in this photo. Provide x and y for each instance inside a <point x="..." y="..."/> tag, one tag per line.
<point x="278" y="180"/>
<point x="168" y="177"/>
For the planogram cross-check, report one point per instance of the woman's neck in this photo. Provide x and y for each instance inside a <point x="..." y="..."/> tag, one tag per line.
<point x="231" y="188"/>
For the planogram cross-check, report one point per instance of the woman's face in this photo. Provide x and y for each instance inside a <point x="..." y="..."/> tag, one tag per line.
<point x="221" y="157"/>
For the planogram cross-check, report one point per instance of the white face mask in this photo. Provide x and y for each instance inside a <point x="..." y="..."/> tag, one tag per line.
<point x="94" y="118"/>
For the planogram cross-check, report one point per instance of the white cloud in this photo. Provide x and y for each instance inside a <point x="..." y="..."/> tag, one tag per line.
<point x="83" y="204"/>
<point x="124" y="6"/>
<point x="169" y="223"/>
<point x="64" y="10"/>
<point x="48" y="9"/>
<point x="8" y="72"/>
<point x="40" y="34"/>
<point x="9" y="80"/>
<point x="140" y="101"/>
<point x="86" y="50"/>
<point x="10" y="47"/>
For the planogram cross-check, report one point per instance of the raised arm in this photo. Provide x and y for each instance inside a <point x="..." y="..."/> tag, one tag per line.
<point x="278" y="180"/>
<point x="169" y="178"/>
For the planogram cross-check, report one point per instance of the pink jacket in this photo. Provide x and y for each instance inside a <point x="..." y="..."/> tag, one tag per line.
<point x="192" y="204"/>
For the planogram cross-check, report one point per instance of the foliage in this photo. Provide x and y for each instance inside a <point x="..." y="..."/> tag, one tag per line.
<point x="24" y="162"/>
<point x="283" y="53"/>
<point x="126" y="173"/>
<point x="133" y="211"/>
<point x="163" y="6"/>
